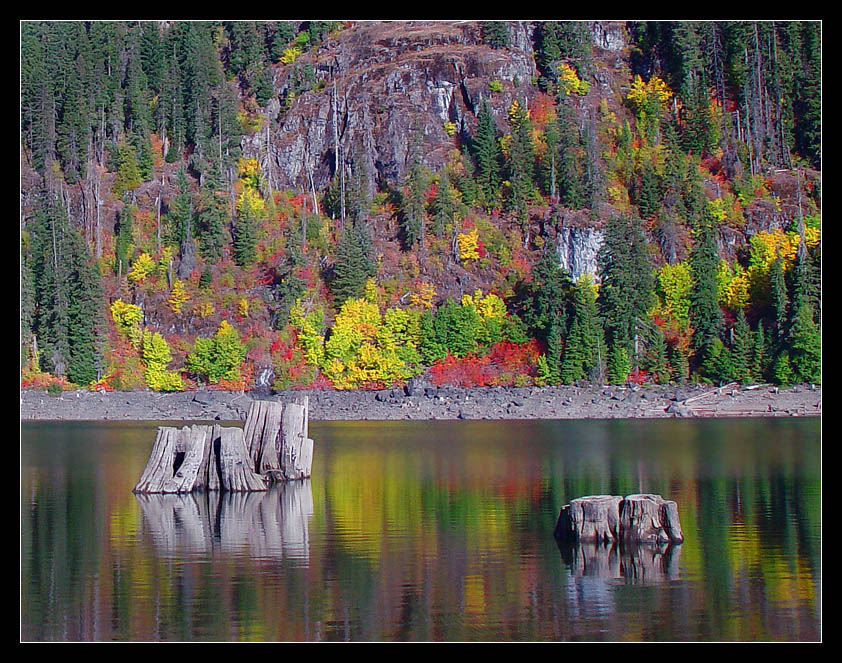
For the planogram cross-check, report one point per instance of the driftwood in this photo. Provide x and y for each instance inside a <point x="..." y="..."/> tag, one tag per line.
<point x="642" y="518"/>
<point x="272" y="446"/>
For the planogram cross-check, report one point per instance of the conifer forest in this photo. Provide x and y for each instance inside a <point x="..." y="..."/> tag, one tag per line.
<point x="352" y="205"/>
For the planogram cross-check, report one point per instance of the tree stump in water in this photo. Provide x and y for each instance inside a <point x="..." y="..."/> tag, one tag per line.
<point x="649" y="518"/>
<point x="277" y="439"/>
<point x="272" y="446"/>
<point x="198" y="458"/>
<point x="640" y="518"/>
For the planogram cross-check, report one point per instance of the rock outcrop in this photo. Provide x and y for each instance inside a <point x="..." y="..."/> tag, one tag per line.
<point x="375" y="79"/>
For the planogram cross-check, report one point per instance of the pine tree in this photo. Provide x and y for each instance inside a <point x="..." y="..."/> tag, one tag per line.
<point x="805" y="347"/>
<point x="124" y="249"/>
<point x="353" y="266"/>
<point x="779" y="300"/>
<point x="413" y="214"/>
<point x="487" y="153"/>
<point x="212" y="218"/>
<point x="585" y="353"/>
<point x="627" y="291"/>
<point x="545" y="306"/>
<point x="647" y="194"/>
<point x="705" y="314"/>
<point x="444" y="205"/>
<point x="521" y="162"/>
<point x="760" y="354"/>
<point x="495" y="34"/>
<point x="68" y="297"/>
<point x="180" y="216"/>
<point x="742" y="349"/>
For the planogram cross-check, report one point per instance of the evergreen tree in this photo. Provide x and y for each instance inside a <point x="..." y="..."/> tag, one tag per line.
<point x="495" y="34"/>
<point x="413" y="214"/>
<point x="521" y="162"/>
<point x="129" y="176"/>
<point x="212" y="218"/>
<point x="705" y="314"/>
<point x="647" y="194"/>
<point x="627" y="291"/>
<point x="585" y="353"/>
<point x="805" y="347"/>
<point x="545" y="306"/>
<point x="180" y="216"/>
<point x="487" y="152"/>
<point x="779" y="300"/>
<point x="245" y="237"/>
<point x="571" y="180"/>
<point x="444" y="205"/>
<point x="742" y="349"/>
<point x="68" y="297"/>
<point x="124" y="249"/>
<point x="760" y="354"/>
<point x="353" y="266"/>
<point x="619" y="364"/>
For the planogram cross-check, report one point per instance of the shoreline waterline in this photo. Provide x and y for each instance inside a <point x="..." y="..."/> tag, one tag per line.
<point x="433" y="403"/>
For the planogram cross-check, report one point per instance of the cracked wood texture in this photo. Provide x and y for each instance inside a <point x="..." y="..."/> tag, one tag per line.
<point x="640" y="518"/>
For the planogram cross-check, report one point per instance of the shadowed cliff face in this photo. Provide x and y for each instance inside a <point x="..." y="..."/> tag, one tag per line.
<point x="373" y="81"/>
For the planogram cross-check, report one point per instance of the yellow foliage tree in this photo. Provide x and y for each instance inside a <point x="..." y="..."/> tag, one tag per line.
<point x="569" y="81"/>
<point x="365" y="348"/>
<point x="178" y="297"/>
<point x="733" y="286"/>
<point x="674" y="285"/>
<point x="468" y="245"/>
<point x="141" y="268"/>
<point x="157" y="356"/>
<point x="423" y="297"/>
<point x="127" y="318"/>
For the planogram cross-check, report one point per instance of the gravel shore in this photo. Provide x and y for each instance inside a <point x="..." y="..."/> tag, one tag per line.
<point x="427" y="402"/>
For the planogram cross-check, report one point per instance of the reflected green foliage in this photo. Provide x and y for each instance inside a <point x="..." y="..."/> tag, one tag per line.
<point x="427" y="531"/>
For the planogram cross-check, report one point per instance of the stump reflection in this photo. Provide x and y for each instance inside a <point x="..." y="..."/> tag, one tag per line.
<point x="272" y="524"/>
<point x="636" y="564"/>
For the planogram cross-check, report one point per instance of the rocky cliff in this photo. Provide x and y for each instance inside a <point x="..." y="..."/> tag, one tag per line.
<point x="375" y="81"/>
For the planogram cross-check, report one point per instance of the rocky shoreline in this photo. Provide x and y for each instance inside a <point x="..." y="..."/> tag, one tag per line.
<point x="426" y="402"/>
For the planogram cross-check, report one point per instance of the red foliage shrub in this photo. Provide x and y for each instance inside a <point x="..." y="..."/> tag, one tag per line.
<point x="499" y="367"/>
<point x="639" y="376"/>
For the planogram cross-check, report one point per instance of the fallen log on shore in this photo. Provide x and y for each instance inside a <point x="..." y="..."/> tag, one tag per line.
<point x="642" y="518"/>
<point x="272" y="446"/>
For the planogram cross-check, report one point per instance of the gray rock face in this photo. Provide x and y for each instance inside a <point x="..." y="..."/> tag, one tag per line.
<point x="387" y="75"/>
<point x="578" y="249"/>
<point x="609" y="35"/>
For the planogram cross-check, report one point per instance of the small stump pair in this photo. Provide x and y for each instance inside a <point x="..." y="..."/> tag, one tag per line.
<point x="642" y="518"/>
<point x="272" y="446"/>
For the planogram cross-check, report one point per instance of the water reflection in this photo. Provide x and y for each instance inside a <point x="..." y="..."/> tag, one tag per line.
<point x="265" y="525"/>
<point x="635" y="564"/>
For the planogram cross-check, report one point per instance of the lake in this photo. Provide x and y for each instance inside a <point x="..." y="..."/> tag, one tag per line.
<point x="428" y="531"/>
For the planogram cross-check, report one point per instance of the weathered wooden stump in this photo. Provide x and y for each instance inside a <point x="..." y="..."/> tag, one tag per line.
<point x="277" y="439"/>
<point x="647" y="518"/>
<point x="591" y="519"/>
<point x="198" y="458"/>
<point x="640" y="518"/>
<point x="272" y="446"/>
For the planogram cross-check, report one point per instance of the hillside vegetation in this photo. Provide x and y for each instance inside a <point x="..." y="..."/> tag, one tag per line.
<point x="242" y="205"/>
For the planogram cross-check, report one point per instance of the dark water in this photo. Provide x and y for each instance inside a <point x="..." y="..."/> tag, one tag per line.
<point x="428" y="532"/>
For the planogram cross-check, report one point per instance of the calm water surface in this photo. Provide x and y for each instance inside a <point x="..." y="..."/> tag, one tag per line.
<point x="433" y="531"/>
